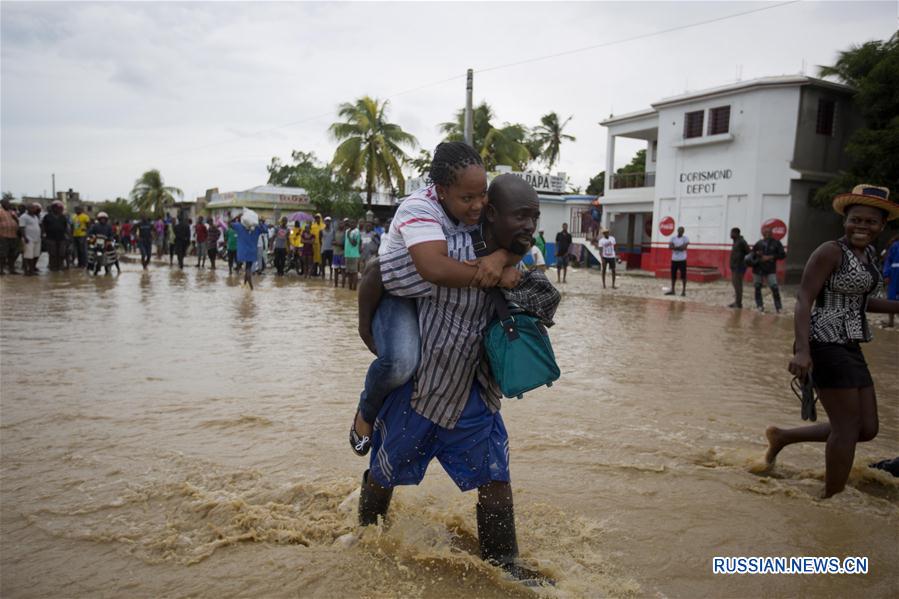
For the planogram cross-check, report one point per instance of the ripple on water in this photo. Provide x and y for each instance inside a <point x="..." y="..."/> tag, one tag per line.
<point x="159" y="419"/>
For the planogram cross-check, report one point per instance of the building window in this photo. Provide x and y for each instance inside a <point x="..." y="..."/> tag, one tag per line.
<point x="719" y="120"/>
<point x="824" y="123"/>
<point x="693" y="124"/>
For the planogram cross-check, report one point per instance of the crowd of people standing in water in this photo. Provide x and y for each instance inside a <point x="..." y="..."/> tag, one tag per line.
<point x="318" y="248"/>
<point x="424" y="304"/>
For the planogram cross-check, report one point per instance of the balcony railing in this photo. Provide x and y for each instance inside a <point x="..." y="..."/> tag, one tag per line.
<point x="631" y="180"/>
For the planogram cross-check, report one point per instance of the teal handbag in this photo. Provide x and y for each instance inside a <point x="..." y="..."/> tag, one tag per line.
<point x="518" y="349"/>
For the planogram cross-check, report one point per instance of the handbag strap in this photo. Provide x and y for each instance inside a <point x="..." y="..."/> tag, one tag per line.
<point x="495" y="294"/>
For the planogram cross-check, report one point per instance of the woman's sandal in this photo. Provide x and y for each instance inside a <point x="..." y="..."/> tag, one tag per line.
<point x="805" y="391"/>
<point x="360" y="444"/>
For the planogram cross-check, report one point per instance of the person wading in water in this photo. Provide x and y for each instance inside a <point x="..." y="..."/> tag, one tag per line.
<point x="452" y="203"/>
<point x="838" y="286"/>
<point x="450" y="409"/>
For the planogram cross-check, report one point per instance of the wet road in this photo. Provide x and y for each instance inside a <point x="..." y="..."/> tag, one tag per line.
<point x="174" y="434"/>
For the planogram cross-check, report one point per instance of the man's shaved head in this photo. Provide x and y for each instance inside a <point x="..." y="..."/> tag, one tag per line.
<point x="513" y="209"/>
<point x="507" y="190"/>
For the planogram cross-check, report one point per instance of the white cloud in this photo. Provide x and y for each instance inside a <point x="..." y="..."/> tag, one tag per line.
<point x="100" y="92"/>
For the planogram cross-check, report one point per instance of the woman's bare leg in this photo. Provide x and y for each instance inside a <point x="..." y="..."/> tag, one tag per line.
<point x="870" y="424"/>
<point x="845" y="414"/>
<point x="853" y="419"/>
<point x="778" y="438"/>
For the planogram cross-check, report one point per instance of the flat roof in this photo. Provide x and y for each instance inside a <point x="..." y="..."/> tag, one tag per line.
<point x="730" y="88"/>
<point x="739" y="86"/>
<point x="629" y="116"/>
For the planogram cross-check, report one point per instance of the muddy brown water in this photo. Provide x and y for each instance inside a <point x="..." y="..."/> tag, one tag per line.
<point x="173" y="434"/>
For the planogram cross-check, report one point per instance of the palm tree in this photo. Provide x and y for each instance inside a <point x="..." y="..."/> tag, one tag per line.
<point x="370" y="145"/>
<point x="151" y="195"/>
<point x="496" y="145"/>
<point x="421" y="165"/>
<point x="548" y="138"/>
<point x="854" y="64"/>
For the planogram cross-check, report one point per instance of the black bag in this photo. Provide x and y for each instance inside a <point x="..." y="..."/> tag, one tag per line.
<point x="752" y="259"/>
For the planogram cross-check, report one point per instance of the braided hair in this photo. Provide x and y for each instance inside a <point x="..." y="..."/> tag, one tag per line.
<point x="450" y="157"/>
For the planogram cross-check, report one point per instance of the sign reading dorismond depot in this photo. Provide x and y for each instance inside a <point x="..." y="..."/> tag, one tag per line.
<point x="704" y="181"/>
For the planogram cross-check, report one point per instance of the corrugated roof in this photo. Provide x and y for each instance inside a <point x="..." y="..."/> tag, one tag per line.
<point x="277" y="189"/>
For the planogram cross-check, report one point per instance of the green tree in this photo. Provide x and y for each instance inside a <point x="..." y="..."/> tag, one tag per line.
<point x="548" y="137"/>
<point x="151" y="195"/>
<point x="597" y="184"/>
<point x="120" y="209"/>
<point x="636" y="165"/>
<point x="371" y="146"/>
<point x="506" y="145"/>
<point x="329" y="193"/>
<point x="422" y="163"/>
<point x="7" y="195"/>
<point x="873" y="150"/>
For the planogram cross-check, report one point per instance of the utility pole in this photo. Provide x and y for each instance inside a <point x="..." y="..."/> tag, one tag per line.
<point x="468" y="115"/>
<point x="53" y="178"/>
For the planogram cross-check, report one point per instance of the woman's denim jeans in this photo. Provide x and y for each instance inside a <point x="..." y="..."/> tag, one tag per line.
<point x="395" y="331"/>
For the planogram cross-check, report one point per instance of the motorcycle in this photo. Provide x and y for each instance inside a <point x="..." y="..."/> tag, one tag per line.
<point x="102" y="252"/>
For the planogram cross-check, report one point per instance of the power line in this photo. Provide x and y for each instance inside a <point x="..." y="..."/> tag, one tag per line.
<point x="634" y="38"/>
<point x="528" y="61"/>
<point x="479" y="71"/>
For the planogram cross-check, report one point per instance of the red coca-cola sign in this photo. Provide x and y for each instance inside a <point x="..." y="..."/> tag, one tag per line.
<point x="777" y="226"/>
<point x="666" y="226"/>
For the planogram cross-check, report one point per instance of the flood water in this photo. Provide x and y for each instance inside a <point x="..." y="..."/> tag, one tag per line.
<point x="174" y="434"/>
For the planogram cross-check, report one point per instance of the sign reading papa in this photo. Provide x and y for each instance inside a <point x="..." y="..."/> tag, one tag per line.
<point x="544" y="181"/>
<point x="539" y="181"/>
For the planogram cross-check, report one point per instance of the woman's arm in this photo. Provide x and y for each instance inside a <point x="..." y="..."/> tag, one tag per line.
<point x="820" y="265"/>
<point x="433" y="263"/>
<point x="879" y="305"/>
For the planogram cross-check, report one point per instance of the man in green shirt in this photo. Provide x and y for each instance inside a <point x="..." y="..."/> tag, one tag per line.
<point x="231" y="245"/>
<point x="352" y="252"/>
<point x="541" y="243"/>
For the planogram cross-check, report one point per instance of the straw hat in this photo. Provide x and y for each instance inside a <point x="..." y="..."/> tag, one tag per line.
<point x="867" y="195"/>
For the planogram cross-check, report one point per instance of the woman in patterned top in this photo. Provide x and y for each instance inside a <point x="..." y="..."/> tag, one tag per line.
<point x="840" y="283"/>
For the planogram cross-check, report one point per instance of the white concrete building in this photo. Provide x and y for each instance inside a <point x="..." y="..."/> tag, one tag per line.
<point x="269" y="201"/>
<point x="739" y="155"/>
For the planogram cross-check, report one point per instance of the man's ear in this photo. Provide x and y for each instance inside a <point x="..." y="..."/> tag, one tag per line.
<point x="490" y="213"/>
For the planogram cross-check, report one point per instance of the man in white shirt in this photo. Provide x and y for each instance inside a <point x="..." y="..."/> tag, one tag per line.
<point x="537" y="260"/>
<point x="607" y="247"/>
<point x="30" y="224"/>
<point x="678" y="246"/>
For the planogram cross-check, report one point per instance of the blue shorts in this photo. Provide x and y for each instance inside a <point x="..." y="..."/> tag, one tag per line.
<point x="473" y="453"/>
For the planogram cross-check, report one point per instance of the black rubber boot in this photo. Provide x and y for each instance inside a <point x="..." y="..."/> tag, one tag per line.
<point x="496" y="535"/>
<point x="373" y="501"/>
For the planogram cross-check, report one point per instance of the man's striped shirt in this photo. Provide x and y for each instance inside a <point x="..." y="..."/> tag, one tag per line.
<point x="451" y="323"/>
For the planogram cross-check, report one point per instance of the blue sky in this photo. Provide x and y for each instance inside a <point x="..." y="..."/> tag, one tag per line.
<point x="209" y="92"/>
